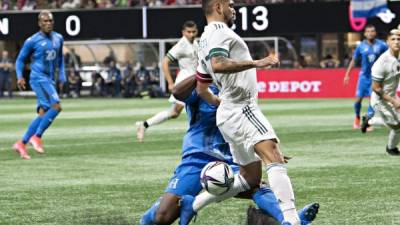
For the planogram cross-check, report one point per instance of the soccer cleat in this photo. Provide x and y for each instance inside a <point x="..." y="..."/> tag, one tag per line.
<point x="37" y="144"/>
<point x="364" y="124"/>
<point x="308" y="213"/>
<point x="356" y="124"/>
<point x="186" y="209"/>
<point x="140" y="129"/>
<point x="393" y="151"/>
<point x="20" y="148"/>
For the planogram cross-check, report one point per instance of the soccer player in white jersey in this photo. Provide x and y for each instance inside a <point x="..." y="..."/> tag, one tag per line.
<point x="185" y="53"/>
<point x="226" y="57"/>
<point x="385" y="80"/>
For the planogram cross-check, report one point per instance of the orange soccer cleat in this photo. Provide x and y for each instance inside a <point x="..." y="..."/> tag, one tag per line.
<point x="37" y="144"/>
<point x="20" y="148"/>
<point x="357" y="123"/>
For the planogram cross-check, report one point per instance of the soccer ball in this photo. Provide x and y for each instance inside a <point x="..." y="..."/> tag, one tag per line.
<point x="216" y="177"/>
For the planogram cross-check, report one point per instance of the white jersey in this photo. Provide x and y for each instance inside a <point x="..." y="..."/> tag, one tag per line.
<point x="386" y="70"/>
<point x="186" y="54"/>
<point x="219" y="39"/>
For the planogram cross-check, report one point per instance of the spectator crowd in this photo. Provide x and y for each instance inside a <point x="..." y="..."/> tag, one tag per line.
<point x="112" y="79"/>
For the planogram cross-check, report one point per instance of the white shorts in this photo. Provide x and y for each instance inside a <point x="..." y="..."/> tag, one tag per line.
<point x="179" y="78"/>
<point x="388" y="114"/>
<point x="243" y="127"/>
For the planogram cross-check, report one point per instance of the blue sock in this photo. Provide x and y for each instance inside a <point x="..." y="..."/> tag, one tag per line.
<point x="149" y="216"/>
<point x="48" y="118"/>
<point x="31" y="129"/>
<point x="370" y="112"/>
<point x="267" y="202"/>
<point x="357" y="109"/>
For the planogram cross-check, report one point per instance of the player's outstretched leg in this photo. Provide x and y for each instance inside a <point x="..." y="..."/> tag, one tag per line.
<point x="190" y="205"/>
<point x="149" y="216"/>
<point x="20" y="146"/>
<point x="186" y="209"/>
<point x="160" y="117"/>
<point x="308" y="213"/>
<point x="268" y="204"/>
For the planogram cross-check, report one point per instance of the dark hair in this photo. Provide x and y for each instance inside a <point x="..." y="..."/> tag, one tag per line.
<point x="369" y="26"/>
<point x="206" y="5"/>
<point x="189" y="23"/>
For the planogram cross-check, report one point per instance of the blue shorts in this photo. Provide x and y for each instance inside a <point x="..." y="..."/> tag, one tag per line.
<point x="186" y="179"/>
<point x="45" y="92"/>
<point x="363" y="87"/>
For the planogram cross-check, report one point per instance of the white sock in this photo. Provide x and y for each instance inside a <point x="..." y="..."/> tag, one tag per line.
<point x="282" y="188"/>
<point x="394" y="138"/>
<point x="376" y="121"/>
<point x="159" y="118"/>
<point x="205" y="198"/>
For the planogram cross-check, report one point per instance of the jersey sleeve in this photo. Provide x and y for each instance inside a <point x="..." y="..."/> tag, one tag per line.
<point x="377" y="71"/>
<point x="202" y="75"/>
<point x="175" y="52"/>
<point x="220" y="44"/>
<point x="357" y="53"/>
<point x="61" y="66"/>
<point x="22" y="56"/>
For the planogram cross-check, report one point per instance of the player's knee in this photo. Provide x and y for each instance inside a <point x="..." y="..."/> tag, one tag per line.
<point x="57" y="107"/>
<point x="174" y="114"/>
<point x="163" y="217"/>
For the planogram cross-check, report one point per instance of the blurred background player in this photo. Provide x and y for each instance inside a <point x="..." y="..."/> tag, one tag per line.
<point x="44" y="48"/>
<point x="366" y="52"/>
<point x="203" y="143"/>
<point x="385" y="80"/>
<point x="185" y="52"/>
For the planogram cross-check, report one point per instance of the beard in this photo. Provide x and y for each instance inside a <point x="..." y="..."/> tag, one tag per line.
<point x="230" y="21"/>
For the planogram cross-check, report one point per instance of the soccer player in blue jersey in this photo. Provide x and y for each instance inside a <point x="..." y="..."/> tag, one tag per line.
<point x="367" y="52"/>
<point x="203" y="143"/>
<point x="44" y="49"/>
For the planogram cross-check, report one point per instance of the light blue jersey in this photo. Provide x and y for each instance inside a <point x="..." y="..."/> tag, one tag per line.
<point x="367" y="54"/>
<point x="45" y="52"/>
<point x="203" y="134"/>
<point x="203" y="143"/>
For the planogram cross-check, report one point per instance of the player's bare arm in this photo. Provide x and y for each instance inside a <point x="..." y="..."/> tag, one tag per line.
<point x="347" y="75"/>
<point x="165" y="67"/>
<point x="204" y="93"/>
<point x="377" y="87"/>
<point x="221" y="64"/>
<point x="183" y="89"/>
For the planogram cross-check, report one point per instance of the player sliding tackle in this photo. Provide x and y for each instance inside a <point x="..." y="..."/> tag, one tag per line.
<point x="203" y="143"/>
<point x="225" y="56"/>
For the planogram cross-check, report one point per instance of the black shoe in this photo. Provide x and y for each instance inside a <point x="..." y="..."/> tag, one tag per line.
<point x="393" y="151"/>
<point x="364" y="123"/>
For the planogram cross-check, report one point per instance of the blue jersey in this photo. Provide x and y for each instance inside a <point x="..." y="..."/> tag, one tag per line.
<point x="46" y="54"/>
<point x="368" y="54"/>
<point x="203" y="135"/>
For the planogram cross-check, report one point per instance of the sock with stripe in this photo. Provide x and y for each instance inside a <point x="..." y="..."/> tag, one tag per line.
<point x="205" y="198"/>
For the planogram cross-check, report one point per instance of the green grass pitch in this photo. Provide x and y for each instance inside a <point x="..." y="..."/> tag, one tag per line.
<point x="94" y="171"/>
